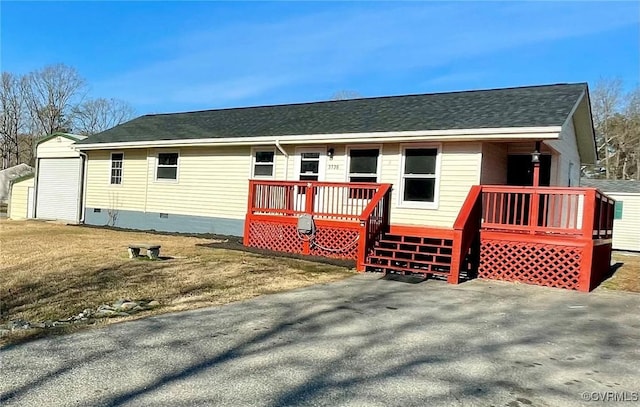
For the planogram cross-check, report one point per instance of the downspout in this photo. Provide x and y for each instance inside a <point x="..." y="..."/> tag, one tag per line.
<point x="146" y="183"/>
<point x="36" y="176"/>
<point x="83" y="198"/>
<point x="286" y="159"/>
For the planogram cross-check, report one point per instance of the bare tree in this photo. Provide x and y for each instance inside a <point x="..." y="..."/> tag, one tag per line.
<point x="605" y="101"/>
<point x="346" y="94"/>
<point x="631" y="168"/>
<point x="616" y="117"/>
<point x="50" y="94"/>
<point x="96" y="115"/>
<point x="9" y="120"/>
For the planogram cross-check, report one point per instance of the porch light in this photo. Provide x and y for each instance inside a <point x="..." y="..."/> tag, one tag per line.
<point x="331" y="152"/>
<point x="535" y="157"/>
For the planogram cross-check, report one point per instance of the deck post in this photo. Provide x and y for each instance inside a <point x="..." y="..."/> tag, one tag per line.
<point x="362" y="245"/>
<point x="535" y="159"/>
<point x="247" y="219"/>
<point x="586" y="267"/>
<point x="535" y="210"/>
<point x="589" y="214"/>
<point x="456" y="258"/>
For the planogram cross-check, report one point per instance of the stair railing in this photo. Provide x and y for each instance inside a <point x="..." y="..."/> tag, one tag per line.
<point x="465" y="229"/>
<point x="374" y="221"/>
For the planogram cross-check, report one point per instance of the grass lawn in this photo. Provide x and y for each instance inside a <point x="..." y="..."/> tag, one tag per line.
<point x="51" y="271"/>
<point x="627" y="276"/>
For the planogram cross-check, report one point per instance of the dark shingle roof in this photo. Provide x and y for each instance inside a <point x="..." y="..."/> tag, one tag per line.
<point x="533" y="106"/>
<point x="610" y="185"/>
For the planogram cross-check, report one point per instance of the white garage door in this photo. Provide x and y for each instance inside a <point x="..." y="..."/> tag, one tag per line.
<point x="58" y="189"/>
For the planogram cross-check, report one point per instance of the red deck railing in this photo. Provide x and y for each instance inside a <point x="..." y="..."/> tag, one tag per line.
<point x="466" y="228"/>
<point x="349" y="216"/>
<point x="374" y="221"/>
<point x="559" y="237"/>
<point x="548" y="211"/>
<point x="553" y="236"/>
<point x="328" y="200"/>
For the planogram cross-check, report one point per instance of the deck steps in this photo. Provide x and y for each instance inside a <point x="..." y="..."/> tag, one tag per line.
<point x="410" y="255"/>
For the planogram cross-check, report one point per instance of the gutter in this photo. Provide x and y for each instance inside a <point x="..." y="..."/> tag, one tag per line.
<point x="83" y="195"/>
<point x="496" y="134"/>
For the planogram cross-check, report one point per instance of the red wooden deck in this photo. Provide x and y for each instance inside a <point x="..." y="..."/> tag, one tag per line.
<point x="559" y="237"/>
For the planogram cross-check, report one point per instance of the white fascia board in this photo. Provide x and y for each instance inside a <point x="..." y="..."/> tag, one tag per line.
<point x="494" y="134"/>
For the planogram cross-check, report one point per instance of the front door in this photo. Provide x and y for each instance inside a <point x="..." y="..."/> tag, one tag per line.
<point x="520" y="173"/>
<point x="520" y="170"/>
<point x="310" y="165"/>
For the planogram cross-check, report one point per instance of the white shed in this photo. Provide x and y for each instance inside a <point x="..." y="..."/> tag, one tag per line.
<point x="626" y="223"/>
<point x="21" y="198"/>
<point x="59" y="169"/>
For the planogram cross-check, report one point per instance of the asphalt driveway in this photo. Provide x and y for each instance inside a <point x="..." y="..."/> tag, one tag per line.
<point x="361" y="342"/>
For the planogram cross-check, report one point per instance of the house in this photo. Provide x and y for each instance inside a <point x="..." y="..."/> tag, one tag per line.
<point x="431" y="183"/>
<point x="58" y="180"/>
<point x="626" y="221"/>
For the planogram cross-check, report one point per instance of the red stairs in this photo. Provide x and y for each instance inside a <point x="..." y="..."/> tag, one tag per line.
<point x="411" y="254"/>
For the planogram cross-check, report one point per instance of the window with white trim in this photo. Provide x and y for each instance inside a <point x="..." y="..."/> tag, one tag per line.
<point x="263" y="163"/>
<point x="309" y="166"/>
<point x="116" y="168"/>
<point x="363" y="165"/>
<point x="419" y="176"/>
<point x="167" y="166"/>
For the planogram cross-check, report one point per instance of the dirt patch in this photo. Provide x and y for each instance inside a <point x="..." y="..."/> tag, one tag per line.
<point x="626" y="272"/>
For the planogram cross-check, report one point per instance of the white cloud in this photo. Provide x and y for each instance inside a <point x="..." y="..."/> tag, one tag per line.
<point x="226" y="64"/>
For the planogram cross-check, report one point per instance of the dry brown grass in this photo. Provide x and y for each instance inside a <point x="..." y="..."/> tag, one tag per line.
<point x="627" y="274"/>
<point x="52" y="271"/>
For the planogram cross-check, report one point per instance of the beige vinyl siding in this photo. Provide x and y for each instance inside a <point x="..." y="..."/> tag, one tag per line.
<point x="57" y="147"/>
<point x="459" y="170"/>
<point x="626" y="231"/>
<point x="567" y="163"/>
<point x="494" y="164"/>
<point x="129" y="195"/>
<point x="213" y="181"/>
<point x="19" y="195"/>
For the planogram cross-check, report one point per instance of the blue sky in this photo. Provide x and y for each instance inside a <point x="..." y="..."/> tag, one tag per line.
<point x="178" y="56"/>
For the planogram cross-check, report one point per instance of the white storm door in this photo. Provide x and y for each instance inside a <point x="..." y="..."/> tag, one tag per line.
<point x="310" y="165"/>
<point x="30" y="200"/>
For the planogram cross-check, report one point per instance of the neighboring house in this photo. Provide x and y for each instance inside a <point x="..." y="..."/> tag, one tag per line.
<point x="626" y="229"/>
<point x="389" y="180"/>
<point x="10" y="174"/>
<point x="21" y="204"/>
<point x="58" y="181"/>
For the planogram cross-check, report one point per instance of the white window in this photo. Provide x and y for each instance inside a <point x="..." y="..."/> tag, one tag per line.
<point x="310" y="166"/>
<point x="363" y="164"/>
<point x="263" y="163"/>
<point x="419" y="177"/>
<point x="116" y="168"/>
<point x="167" y="166"/>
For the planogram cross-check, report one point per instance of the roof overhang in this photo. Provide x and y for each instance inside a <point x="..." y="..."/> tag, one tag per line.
<point x="488" y="134"/>
<point x="583" y="126"/>
<point x="72" y="137"/>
